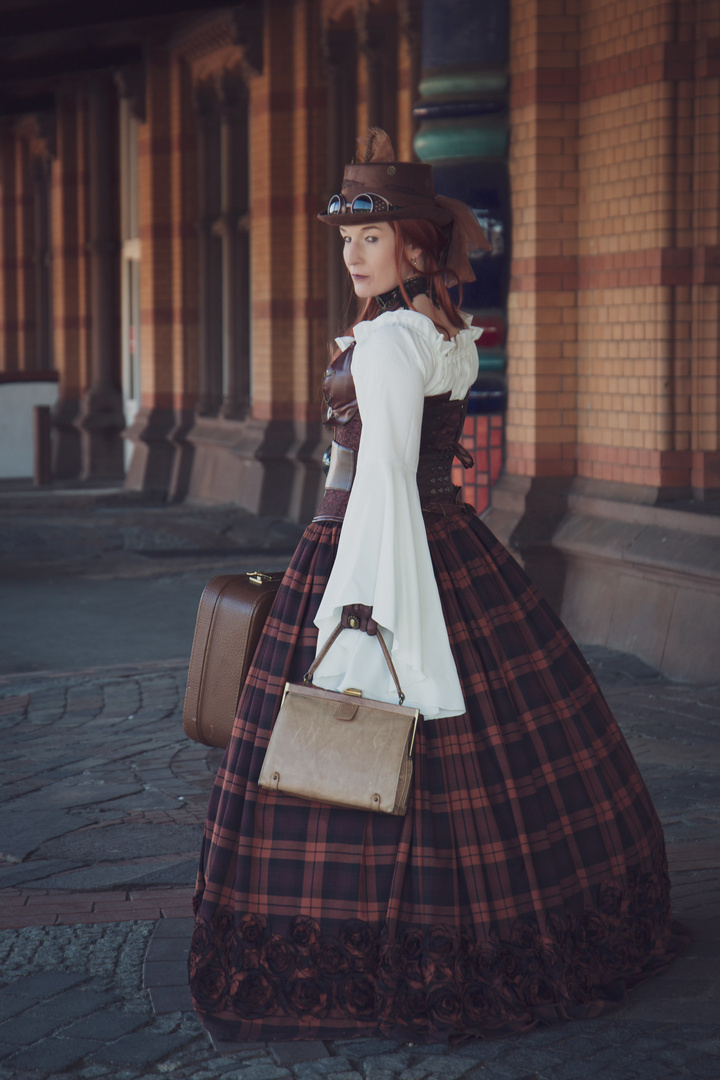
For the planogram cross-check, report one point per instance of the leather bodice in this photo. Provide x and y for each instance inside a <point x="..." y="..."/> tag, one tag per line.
<point x="442" y="425"/>
<point x="339" y="399"/>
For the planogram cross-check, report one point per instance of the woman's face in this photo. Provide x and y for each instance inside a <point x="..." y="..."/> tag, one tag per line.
<point x="369" y="253"/>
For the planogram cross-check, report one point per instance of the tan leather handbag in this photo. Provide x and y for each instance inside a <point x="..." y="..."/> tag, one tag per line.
<point x="341" y="748"/>
<point x="232" y="612"/>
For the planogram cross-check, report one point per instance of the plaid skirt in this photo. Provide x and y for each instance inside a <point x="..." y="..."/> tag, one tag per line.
<point x="527" y="882"/>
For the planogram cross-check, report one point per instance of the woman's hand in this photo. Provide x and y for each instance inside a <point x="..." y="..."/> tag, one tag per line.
<point x="359" y="617"/>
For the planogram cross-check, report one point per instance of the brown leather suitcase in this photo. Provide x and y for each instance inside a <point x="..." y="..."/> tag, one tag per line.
<point x="232" y="612"/>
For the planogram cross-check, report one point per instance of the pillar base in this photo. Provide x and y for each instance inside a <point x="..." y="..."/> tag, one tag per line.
<point x="184" y="454"/>
<point x="66" y="451"/>
<point x="706" y="475"/>
<point x="269" y="467"/>
<point x="151" y="465"/>
<point x="100" y="423"/>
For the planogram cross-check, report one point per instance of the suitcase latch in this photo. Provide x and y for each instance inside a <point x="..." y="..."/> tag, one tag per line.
<point x="258" y="578"/>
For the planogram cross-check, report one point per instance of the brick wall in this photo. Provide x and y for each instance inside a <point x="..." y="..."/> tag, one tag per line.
<point x="613" y="310"/>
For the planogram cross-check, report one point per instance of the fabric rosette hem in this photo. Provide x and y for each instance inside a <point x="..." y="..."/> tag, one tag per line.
<point x="253" y="979"/>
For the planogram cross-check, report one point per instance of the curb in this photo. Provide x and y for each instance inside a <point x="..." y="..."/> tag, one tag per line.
<point x="22" y="908"/>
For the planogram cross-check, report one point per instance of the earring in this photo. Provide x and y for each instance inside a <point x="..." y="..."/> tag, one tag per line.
<point x="414" y="262"/>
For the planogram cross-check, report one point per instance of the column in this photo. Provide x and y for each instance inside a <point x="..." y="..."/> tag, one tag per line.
<point x="541" y="419"/>
<point x="71" y="325"/>
<point x="101" y="416"/>
<point x="409" y="62"/>
<point x="235" y="238"/>
<point x="9" y="300"/>
<point x="42" y="266"/>
<point x="186" y="288"/>
<point x="704" y="166"/>
<point x="24" y="252"/>
<point x="340" y="54"/>
<point x="160" y="141"/>
<point x="378" y="88"/>
<point x="209" y="260"/>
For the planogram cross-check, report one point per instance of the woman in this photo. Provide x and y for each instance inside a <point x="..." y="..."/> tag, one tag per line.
<point x="528" y="879"/>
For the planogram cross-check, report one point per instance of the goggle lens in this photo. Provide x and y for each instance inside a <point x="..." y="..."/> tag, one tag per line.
<point x="336" y="204"/>
<point x="362" y="204"/>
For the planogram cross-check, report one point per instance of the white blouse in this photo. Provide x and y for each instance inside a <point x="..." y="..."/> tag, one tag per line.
<point x="383" y="558"/>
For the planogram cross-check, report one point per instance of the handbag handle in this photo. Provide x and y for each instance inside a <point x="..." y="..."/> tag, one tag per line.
<point x="307" y="678"/>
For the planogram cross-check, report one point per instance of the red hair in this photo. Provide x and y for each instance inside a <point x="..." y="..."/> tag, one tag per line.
<point x="431" y="241"/>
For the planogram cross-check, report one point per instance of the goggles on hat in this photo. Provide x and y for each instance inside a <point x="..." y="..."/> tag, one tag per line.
<point x="367" y="203"/>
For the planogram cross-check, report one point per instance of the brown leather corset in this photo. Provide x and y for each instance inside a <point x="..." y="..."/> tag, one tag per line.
<point x="442" y="426"/>
<point x="339" y="400"/>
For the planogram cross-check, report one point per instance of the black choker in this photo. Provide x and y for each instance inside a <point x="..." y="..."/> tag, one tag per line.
<point x="415" y="286"/>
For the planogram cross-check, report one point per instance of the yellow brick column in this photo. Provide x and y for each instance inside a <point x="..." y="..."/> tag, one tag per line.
<point x="542" y="315"/>
<point x="541" y="423"/>
<point x="635" y="104"/>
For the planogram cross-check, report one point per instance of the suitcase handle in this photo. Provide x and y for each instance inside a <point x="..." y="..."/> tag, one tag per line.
<point x="307" y="678"/>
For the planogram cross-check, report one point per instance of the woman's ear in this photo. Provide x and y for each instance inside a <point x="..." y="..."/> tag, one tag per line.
<point x="414" y="256"/>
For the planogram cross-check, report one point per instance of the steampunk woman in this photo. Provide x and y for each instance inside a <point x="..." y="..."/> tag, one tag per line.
<point x="527" y="881"/>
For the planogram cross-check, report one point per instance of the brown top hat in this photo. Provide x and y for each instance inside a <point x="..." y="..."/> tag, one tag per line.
<point x="406" y="187"/>
<point x="394" y="190"/>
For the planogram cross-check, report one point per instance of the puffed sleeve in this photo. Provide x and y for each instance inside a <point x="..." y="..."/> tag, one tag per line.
<point x="383" y="557"/>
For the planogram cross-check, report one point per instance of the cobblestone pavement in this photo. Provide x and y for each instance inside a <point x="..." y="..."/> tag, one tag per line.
<point x="103" y="801"/>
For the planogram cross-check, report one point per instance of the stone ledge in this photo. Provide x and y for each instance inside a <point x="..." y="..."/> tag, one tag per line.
<point x="689" y="559"/>
<point x="640" y="578"/>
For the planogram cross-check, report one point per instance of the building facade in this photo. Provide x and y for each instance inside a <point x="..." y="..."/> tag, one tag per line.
<point x="160" y="176"/>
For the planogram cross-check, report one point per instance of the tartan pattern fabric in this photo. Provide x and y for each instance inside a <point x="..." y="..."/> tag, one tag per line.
<point x="527" y="881"/>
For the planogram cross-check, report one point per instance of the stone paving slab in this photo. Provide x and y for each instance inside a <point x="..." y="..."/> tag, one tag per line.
<point x="21" y="831"/>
